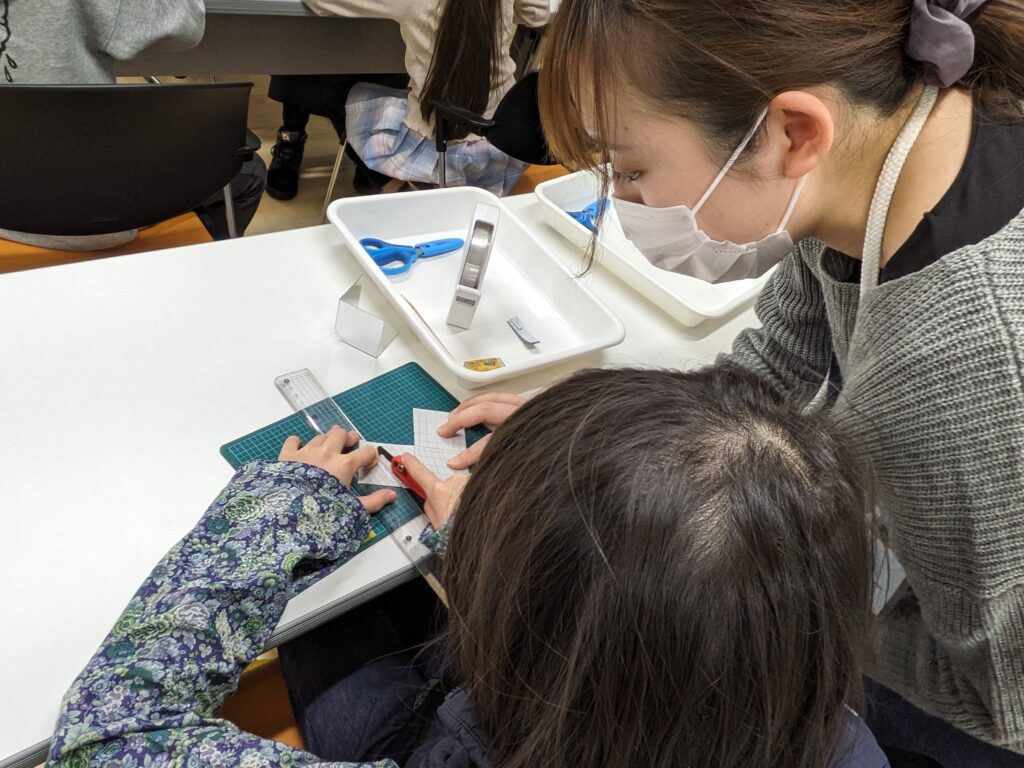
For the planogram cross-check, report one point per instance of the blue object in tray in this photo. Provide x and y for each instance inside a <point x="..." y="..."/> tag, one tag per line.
<point x="404" y="256"/>
<point x="590" y="215"/>
<point x="382" y="410"/>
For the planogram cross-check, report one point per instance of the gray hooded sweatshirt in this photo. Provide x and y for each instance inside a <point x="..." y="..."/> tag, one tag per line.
<point x="79" y="42"/>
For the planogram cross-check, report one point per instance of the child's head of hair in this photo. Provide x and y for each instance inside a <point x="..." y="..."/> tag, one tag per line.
<point x="661" y="568"/>
<point x="720" y="63"/>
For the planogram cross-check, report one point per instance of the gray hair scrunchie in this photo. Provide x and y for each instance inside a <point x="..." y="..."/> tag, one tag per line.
<point x="941" y="39"/>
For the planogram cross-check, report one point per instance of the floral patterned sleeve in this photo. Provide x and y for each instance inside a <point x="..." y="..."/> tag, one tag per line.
<point x="150" y="695"/>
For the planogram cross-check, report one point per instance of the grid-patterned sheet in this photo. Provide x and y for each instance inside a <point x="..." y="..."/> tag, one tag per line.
<point x="382" y="410"/>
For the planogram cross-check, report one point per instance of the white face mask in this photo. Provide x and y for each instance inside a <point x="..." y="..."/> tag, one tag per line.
<point x="671" y="239"/>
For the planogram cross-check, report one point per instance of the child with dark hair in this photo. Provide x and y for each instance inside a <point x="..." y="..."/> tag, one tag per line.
<point x="647" y="568"/>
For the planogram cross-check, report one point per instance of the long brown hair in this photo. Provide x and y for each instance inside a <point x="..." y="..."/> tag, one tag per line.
<point x="719" y="63"/>
<point x="654" y="568"/>
<point x="466" y="58"/>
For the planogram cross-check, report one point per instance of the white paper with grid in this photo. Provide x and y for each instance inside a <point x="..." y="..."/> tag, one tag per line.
<point x="432" y="449"/>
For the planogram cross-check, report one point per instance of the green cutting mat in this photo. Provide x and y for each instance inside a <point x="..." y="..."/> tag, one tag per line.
<point x="382" y="410"/>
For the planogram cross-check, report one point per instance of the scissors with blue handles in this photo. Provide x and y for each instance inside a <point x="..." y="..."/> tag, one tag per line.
<point x="588" y="216"/>
<point x="402" y="257"/>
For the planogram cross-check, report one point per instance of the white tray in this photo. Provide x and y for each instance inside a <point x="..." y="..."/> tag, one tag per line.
<point x="523" y="280"/>
<point x="687" y="299"/>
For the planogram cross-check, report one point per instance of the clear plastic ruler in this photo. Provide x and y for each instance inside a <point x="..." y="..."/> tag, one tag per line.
<point x="307" y="397"/>
<point x="427" y="562"/>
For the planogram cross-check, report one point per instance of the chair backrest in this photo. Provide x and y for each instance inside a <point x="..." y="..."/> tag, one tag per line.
<point x="515" y="128"/>
<point x="96" y="159"/>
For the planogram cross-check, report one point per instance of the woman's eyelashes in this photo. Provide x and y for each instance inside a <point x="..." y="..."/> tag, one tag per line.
<point x="629" y="176"/>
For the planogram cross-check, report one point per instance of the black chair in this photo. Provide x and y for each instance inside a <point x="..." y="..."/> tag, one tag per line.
<point x="98" y="159"/>
<point x="515" y="128"/>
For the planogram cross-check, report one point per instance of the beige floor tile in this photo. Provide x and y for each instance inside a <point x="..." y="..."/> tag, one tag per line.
<point x="321" y="151"/>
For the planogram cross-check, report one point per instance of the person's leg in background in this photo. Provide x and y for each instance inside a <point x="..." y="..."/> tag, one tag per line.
<point x="283" y="175"/>
<point x="300" y="97"/>
<point x="246" y="192"/>
<point x="898" y="724"/>
<point x="365" y="686"/>
<point x="367" y="181"/>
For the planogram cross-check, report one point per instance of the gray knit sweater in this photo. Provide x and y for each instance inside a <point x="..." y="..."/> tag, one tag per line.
<point x="933" y="396"/>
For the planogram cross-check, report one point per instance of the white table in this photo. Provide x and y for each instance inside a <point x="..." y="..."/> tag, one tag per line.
<point x="121" y="378"/>
<point x="278" y="37"/>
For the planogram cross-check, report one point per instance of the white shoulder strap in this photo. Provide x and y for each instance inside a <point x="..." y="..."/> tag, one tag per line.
<point x="879" y="213"/>
<point x="882" y="199"/>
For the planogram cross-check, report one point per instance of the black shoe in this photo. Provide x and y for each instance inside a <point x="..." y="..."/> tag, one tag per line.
<point x="283" y="174"/>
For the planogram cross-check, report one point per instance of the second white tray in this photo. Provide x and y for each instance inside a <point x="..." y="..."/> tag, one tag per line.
<point x="687" y="299"/>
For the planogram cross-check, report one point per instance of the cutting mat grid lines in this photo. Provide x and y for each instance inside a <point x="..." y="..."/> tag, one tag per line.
<point x="382" y="409"/>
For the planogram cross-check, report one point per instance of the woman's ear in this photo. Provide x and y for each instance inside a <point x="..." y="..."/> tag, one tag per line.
<point x="808" y="128"/>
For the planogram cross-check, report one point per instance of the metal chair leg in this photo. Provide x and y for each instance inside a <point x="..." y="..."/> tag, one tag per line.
<point x="229" y="201"/>
<point x="229" y="212"/>
<point x="442" y="173"/>
<point x="334" y="180"/>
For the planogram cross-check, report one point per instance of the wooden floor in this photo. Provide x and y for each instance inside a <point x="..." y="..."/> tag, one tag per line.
<point x="260" y="705"/>
<point x="186" y="229"/>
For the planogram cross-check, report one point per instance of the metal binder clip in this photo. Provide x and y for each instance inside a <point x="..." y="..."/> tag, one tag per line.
<point x="359" y="328"/>
<point x="474" y="265"/>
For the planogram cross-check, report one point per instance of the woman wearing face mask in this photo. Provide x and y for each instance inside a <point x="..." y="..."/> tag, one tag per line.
<point x="885" y="138"/>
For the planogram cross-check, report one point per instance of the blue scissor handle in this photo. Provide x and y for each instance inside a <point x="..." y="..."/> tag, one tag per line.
<point x="438" y="247"/>
<point x="384" y="253"/>
<point x="588" y="216"/>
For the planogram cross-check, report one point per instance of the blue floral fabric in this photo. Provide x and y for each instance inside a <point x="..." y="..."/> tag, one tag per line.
<point x="437" y="540"/>
<point x="150" y="695"/>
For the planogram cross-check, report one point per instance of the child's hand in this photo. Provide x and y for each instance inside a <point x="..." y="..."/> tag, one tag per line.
<point x="325" y="452"/>
<point x="442" y="495"/>
<point x="491" y="410"/>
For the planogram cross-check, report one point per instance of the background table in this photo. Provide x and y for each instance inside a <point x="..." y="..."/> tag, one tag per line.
<point x="121" y="378"/>
<point x="278" y="37"/>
